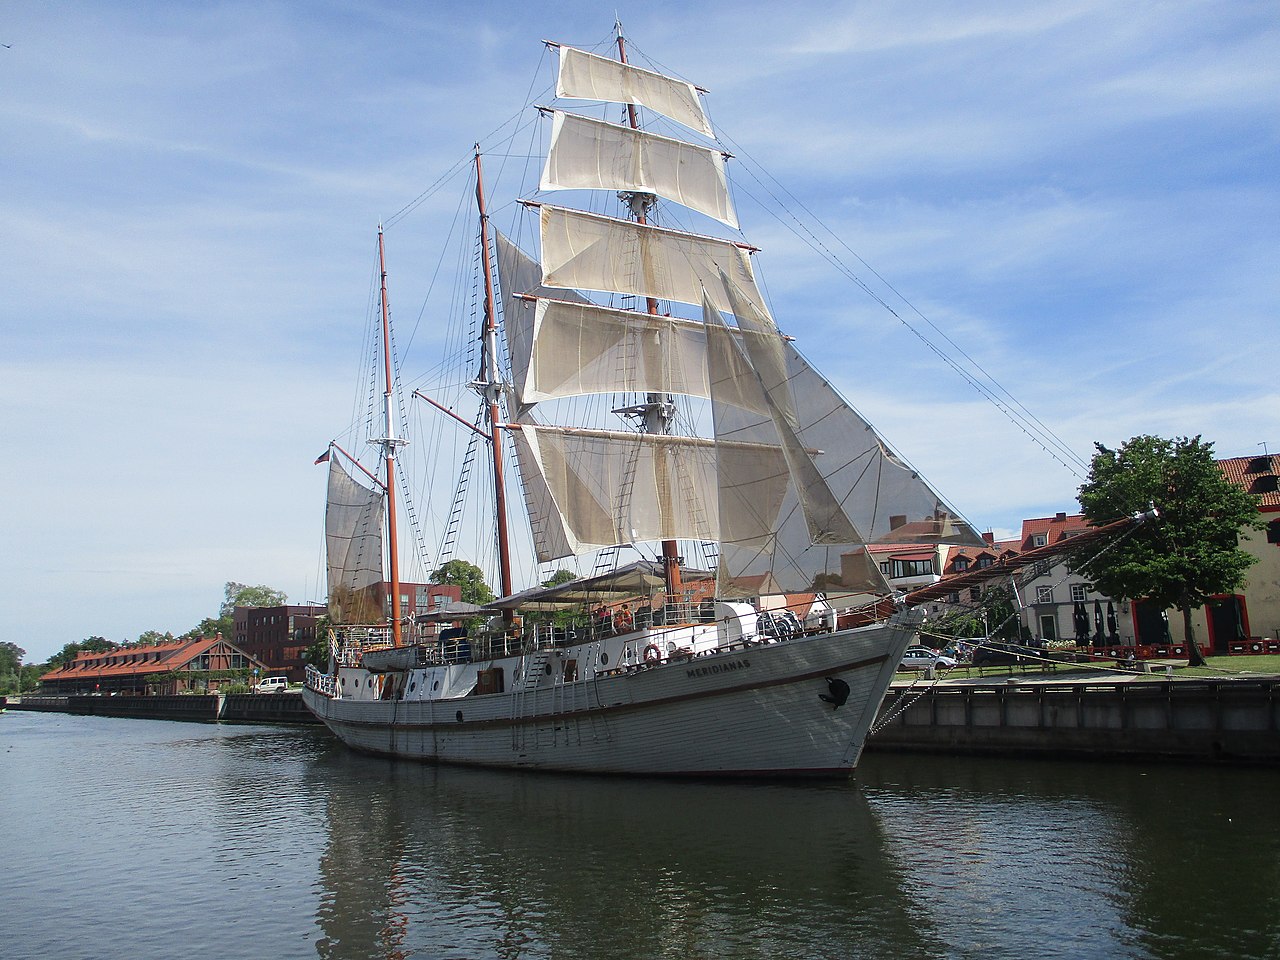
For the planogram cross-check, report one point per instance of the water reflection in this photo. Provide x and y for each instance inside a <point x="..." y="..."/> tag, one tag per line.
<point x="1071" y="859"/>
<point x="125" y="837"/>
<point x="470" y="863"/>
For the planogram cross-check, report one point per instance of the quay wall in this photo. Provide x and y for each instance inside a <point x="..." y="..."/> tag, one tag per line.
<point x="266" y="708"/>
<point x="211" y="708"/>
<point x="1235" y="721"/>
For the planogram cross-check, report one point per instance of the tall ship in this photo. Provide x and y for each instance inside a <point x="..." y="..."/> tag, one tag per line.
<point x="637" y="399"/>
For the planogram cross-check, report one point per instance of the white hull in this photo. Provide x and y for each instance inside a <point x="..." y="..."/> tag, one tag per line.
<point x="750" y="711"/>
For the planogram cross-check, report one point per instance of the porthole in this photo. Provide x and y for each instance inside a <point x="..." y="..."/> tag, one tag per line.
<point x="343" y="681"/>
<point x="458" y="715"/>
<point x="436" y="685"/>
<point x="413" y="685"/>
<point x="548" y="669"/>
<point x="604" y="659"/>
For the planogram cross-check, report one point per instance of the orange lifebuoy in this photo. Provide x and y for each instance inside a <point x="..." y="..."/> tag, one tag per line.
<point x="652" y="654"/>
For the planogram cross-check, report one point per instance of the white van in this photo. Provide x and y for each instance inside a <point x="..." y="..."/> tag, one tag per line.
<point x="272" y="685"/>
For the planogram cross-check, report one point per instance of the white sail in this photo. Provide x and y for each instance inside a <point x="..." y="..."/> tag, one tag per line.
<point x="589" y="252"/>
<point x="612" y="487"/>
<point x="519" y="274"/>
<point x="581" y="349"/>
<point x="883" y="499"/>
<point x="589" y="154"/>
<point x="353" y="541"/>
<point x="552" y="538"/>
<point x="584" y="76"/>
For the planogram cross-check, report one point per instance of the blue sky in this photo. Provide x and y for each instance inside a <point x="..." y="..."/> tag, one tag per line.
<point x="1083" y="194"/>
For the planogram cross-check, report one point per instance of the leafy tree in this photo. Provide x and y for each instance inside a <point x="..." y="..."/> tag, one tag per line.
<point x="318" y="653"/>
<point x="150" y="638"/>
<point x="1192" y="551"/>
<point x="467" y="576"/>
<point x="241" y="595"/>
<point x="559" y="577"/>
<point x="10" y="657"/>
<point x="31" y="674"/>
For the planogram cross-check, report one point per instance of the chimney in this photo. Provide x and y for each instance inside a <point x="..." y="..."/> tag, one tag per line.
<point x="897" y="520"/>
<point x="990" y="538"/>
<point x="1060" y="516"/>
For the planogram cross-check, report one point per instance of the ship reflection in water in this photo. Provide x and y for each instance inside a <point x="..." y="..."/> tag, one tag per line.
<point x="464" y="863"/>
<point x="919" y="857"/>
<point x="151" y="840"/>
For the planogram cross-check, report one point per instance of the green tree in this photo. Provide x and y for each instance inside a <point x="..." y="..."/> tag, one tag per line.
<point x="559" y="577"/>
<point x="236" y="595"/>
<point x="31" y="674"/>
<point x="10" y="657"/>
<point x="11" y="668"/>
<point x="150" y="638"/>
<point x="242" y="595"/>
<point x="318" y="653"/>
<point x="467" y="576"/>
<point x="1189" y="554"/>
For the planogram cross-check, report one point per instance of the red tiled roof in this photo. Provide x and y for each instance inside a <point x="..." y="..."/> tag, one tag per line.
<point x="1256" y="475"/>
<point x="1054" y="529"/>
<point x="131" y="661"/>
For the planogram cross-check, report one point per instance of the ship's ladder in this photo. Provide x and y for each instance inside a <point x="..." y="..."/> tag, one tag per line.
<point x="568" y="700"/>
<point x="533" y="669"/>
<point x="450" y="538"/>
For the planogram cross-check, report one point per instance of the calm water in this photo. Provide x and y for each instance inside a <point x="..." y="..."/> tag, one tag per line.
<point x="144" y="839"/>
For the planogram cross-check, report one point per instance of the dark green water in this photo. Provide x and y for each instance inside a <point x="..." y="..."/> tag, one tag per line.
<point x="144" y="839"/>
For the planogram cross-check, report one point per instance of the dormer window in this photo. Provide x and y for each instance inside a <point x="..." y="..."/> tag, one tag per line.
<point x="1039" y="539"/>
<point x="984" y="562"/>
<point x="960" y="564"/>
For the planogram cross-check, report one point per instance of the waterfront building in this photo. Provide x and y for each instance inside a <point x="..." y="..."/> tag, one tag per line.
<point x="280" y="636"/>
<point x="180" y="666"/>
<point x="1245" y="621"/>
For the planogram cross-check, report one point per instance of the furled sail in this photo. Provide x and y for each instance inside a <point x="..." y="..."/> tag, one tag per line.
<point x="585" y="76"/>
<point x="353" y="540"/>
<point x="589" y="154"/>
<point x="586" y="251"/>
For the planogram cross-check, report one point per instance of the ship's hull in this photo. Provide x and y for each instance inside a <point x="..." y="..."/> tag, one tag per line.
<point x="768" y="710"/>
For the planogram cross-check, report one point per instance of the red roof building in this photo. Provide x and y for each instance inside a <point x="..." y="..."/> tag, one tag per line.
<point x="180" y="666"/>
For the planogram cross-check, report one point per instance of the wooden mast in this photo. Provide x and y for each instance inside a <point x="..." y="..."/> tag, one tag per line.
<point x="656" y="417"/>
<point x="389" y="443"/>
<point x="490" y="388"/>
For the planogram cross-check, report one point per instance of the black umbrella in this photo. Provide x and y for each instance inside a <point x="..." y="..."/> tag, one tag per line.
<point x="1112" y="628"/>
<point x="1080" y="616"/>
<point x="1098" y="639"/>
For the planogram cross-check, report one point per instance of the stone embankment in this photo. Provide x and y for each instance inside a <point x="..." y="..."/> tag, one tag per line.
<point x="210" y="708"/>
<point x="1219" y="720"/>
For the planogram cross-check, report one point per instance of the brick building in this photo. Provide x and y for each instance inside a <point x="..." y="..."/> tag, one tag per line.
<point x="180" y="666"/>
<point x="280" y="636"/>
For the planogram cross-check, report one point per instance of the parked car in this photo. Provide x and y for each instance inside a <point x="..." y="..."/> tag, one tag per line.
<point x="995" y="653"/>
<point x="922" y="658"/>
<point x="272" y="685"/>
